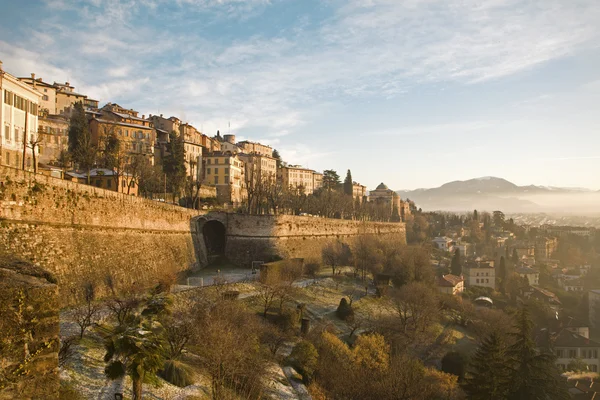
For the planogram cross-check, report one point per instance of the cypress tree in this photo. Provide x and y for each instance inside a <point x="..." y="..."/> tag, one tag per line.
<point x="348" y="184"/>
<point x="515" y="257"/>
<point x="455" y="266"/>
<point x="475" y="216"/>
<point x="489" y="371"/>
<point x="502" y="274"/>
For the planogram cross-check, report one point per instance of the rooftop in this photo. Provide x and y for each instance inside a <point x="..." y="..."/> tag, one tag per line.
<point x="567" y="338"/>
<point x="449" y="280"/>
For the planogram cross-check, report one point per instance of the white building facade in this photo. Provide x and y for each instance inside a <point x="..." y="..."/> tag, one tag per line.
<point x="18" y="121"/>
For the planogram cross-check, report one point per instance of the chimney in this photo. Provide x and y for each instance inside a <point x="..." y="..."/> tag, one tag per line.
<point x="0" y="65"/>
<point x="161" y="115"/>
<point x="67" y="84"/>
<point x="33" y="79"/>
<point x="143" y="116"/>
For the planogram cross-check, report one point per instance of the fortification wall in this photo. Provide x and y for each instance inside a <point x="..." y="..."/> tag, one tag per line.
<point x="82" y="234"/>
<point x="266" y="237"/>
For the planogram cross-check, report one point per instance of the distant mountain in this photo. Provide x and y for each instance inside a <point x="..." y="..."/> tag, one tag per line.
<point x="492" y="193"/>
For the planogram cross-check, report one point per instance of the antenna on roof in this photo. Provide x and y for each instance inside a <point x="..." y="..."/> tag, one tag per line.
<point x="229" y="127"/>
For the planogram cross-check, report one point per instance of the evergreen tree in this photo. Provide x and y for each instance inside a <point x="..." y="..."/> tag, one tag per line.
<point x="331" y="179"/>
<point x="489" y="371"/>
<point x="174" y="163"/>
<point x="475" y="216"/>
<point x="515" y="257"/>
<point x="502" y="274"/>
<point x="455" y="266"/>
<point x="395" y="215"/>
<point x="348" y="190"/>
<point x="534" y="375"/>
<point x="277" y="157"/>
<point x="81" y="146"/>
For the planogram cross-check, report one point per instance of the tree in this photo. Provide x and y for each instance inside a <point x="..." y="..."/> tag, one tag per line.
<point x="305" y="357"/>
<point x="331" y="179"/>
<point x="34" y="145"/>
<point x="336" y="254"/>
<point x="475" y="216"/>
<point x="502" y="274"/>
<point x="454" y="363"/>
<point x="489" y="371"/>
<point x="515" y="257"/>
<point x="174" y="163"/>
<point x="86" y="314"/>
<point x="81" y="145"/>
<point x="137" y="348"/>
<point x="534" y="375"/>
<point x="455" y="265"/>
<point x="348" y="186"/>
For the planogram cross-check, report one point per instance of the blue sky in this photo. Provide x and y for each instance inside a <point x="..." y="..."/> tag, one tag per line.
<point x="413" y="93"/>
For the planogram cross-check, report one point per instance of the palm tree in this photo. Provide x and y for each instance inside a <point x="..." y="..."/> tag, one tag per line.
<point x="136" y="350"/>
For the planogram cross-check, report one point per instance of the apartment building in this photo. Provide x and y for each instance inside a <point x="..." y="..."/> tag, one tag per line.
<point x="136" y="133"/>
<point x="225" y="170"/>
<point x="258" y="166"/>
<point x="359" y="192"/>
<point x="53" y="132"/>
<point x="317" y="181"/>
<point x="570" y="346"/>
<point x="192" y="144"/>
<point x="254" y="148"/>
<point x="480" y="273"/>
<point x="57" y="98"/>
<point x="295" y="176"/>
<point x="18" y="121"/>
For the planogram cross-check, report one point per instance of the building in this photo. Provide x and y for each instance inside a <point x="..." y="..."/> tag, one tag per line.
<point x="444" y="243"/>
<point x="569" y="346"/>
<point x="19" y="122"/>
<point x="53" y="132"/>
<point x="295" y="176"/>
<point x="225" y="170"/>
<point x="105" y="179"/>
<point x="523" y="249"/>
<point x="532" y="275"/>
<point x="545" y="247"/>
<point x="58" y="98"/>
<point x="382" y="194"/>
<point x="571" y="285"/>
<point x="192" y="144"/>
<point x="359" y="192"/>
<point x="254" y="148"/>
<point x="450" y="284"/>
<point x="594" y="307"/>
<point x="317" y="180"/>
<point x="480" y="273"/>
<point x="404" y="210"/>
<point x="137" y="135"/>
<point x="259" y="166"/>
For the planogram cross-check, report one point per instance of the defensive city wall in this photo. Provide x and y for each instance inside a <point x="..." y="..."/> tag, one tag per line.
<point x="82" y="234"/>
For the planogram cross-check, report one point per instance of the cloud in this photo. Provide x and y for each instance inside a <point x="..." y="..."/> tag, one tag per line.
<point x="172" y="56"/>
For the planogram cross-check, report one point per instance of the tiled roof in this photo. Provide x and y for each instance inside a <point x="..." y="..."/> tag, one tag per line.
<point x="569" y="339"/>
<point x="449" y="280"/>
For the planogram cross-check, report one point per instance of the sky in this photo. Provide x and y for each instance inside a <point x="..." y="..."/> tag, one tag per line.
<point x="412" y="93"/>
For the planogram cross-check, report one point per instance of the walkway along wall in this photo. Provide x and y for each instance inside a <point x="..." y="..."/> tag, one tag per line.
<point x="265" y="237"/>
<point x="83" y="234"/>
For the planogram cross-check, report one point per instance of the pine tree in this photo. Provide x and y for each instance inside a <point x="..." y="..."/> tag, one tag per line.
<point x="475" y="216"/>
<point x="348" y="190"/>
<point x="489" y="371"/>
<point x="534" y="375"/>
<point x="331" y="179"/>
<point x="455" y="266"/>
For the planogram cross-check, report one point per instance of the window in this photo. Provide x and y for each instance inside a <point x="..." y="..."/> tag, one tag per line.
<point x="98" y="183"/>
<point x="17" y="135"/>
<point x="216" y="160"/>
<point x="559" y="353"/>
<point x="208" y="171"/>
<point x="226" y="171"/>
<point x="108" y="185"/>
<point x="45" y="97"/>
<point x="216" y="180"/>
<point x="8" y="98"/>
<point x="572" y="353"/>
<point x="7" y="132"/>
<point x="594" y="353"/>
<point x="208" y="161"/>
<point x="593" y="367"/>
<point x="476" y="280"/>
<point x="487" y="281"/>
<point x="216" y="171"/>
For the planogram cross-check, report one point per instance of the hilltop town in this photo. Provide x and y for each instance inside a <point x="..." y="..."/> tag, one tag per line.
<point x="51" y="129"/>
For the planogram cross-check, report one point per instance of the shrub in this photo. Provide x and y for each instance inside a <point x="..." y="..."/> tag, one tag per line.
<point x="304" y="358"/>
<point x="177" y="373"/>
<point x="344" y="310"/>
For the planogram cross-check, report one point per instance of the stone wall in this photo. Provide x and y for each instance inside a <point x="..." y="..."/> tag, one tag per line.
<point x="265" y="238"/>
<point x="83" y="234"/>
<point x="29" y="322"/>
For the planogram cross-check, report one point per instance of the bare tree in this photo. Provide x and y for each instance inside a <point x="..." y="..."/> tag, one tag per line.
<point x="336" y="254"/>
<point x="86" y="314"/>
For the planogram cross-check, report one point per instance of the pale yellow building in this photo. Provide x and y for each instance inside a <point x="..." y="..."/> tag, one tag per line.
<point x="225" y="171"/>
<point x="57" y="98"/>
<point x="259" y="166"/>
<point x="255" y="148"/>
<point x="192" y="139"/>
<point x="359" y="191"/>
<point x="18" y="120"/>
<point x="317" y="180"/>
<point x="480" y="273"/>
<point x="295" y="176"/>
<point x="53" y="131"/>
